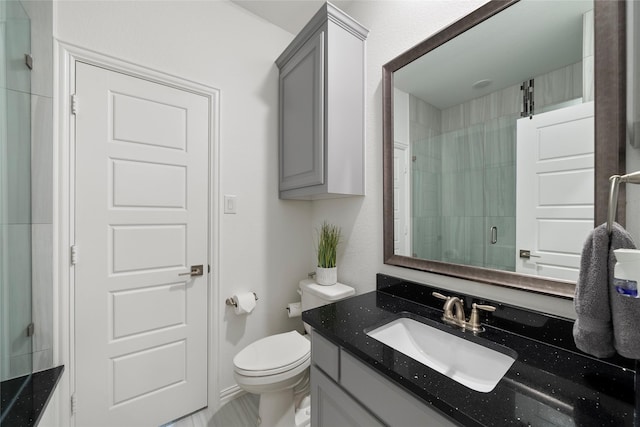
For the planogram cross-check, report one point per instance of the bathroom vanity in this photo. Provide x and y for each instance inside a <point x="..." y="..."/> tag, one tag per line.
<point x="358" y="381"/>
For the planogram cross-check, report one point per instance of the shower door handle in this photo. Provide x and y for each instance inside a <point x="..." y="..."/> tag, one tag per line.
<point x="494" y="235"/>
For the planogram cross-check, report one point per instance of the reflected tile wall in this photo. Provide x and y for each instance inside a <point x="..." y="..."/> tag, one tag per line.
<point x="426" y="167"/>
<point x="500" y="191"/>
<point x="27" y="229"/>
<point x="558" y="86"/>
<point x="17" y="272"/>
<point x="499" y="145"/>
<point x="501" y="255"/>
<point x="41" y="15"/>
<point x="41" y="159"/>
<point x="30" y="146"/>
<point x="455" y="247"/>
<point x="427" y="238"/>
<point x="42" y="289"/>
<point x="469" y="152"/>
<point x="16" y="43"/>
<point x="18" y="146"/>
<point x="477" y="240"/>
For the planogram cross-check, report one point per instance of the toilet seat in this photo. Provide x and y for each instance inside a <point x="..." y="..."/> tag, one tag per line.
<point x="273" y="355"/>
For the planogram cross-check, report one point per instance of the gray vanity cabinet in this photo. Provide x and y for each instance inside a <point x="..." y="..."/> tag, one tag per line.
<point x="346" y="392"/>
<point x="321" y="109"/>
<point x="331" y="406"/>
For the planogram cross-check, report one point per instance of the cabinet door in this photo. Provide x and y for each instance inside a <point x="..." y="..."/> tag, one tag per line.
<point x="393" y="405"/>
<point x="331" y="406"/>
<point x="301" y="117"/>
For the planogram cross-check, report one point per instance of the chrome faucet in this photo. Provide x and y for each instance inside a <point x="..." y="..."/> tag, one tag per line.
<point x="454" y="313"/>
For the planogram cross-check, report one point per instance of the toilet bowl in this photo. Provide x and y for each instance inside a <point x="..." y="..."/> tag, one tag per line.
<point x="272" y="367"/>
<point x="276" y="367"/>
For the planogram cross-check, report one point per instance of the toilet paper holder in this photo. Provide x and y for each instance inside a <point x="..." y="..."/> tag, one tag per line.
<point x="230" y="301"/>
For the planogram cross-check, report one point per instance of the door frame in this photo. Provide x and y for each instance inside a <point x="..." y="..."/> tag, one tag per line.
<point x="66" y="57"/>
<point x="406" y="206"/>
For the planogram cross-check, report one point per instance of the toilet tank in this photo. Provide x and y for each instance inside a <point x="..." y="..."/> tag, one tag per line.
<point x="314" y="295"/>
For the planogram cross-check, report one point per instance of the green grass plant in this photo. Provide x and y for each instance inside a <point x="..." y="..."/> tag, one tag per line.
<point x="328" y="239"/>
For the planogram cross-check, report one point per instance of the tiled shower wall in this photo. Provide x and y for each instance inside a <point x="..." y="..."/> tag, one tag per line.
<point x="463" y="171"/>
<point x="41" y="15"/>
<point x="426" y="175"/>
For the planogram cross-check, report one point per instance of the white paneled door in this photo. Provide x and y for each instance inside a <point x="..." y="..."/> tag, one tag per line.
<point x="141" y="223"/>
<point x="555" y="169"/>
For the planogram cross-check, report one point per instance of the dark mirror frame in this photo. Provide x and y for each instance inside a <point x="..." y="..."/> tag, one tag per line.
<point x="610" y="137"/>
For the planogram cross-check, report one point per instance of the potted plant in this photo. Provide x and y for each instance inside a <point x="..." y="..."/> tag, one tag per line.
<point x="328" y="239"/>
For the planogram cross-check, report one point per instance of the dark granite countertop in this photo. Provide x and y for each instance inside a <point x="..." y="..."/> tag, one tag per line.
<point x="550" y="383"/>
<point x="24" y="399"/>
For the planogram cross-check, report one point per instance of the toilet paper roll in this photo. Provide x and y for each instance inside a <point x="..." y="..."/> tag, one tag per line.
<point x="244" y="302"/>
<point x="294" y="309"/>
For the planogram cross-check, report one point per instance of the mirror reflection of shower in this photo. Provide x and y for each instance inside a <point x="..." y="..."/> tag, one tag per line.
<point x="456" y="137"/>
<point x="16" y="329"/>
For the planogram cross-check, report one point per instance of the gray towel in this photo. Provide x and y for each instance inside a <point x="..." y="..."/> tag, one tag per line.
<point x="593" y="330"/>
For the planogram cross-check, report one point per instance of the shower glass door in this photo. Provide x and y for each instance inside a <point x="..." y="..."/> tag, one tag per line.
<point x="15" y="199"/>
<point x="463" y="183"/>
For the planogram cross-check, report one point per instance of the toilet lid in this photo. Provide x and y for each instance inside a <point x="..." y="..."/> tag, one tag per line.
<point x="273" y="354"/>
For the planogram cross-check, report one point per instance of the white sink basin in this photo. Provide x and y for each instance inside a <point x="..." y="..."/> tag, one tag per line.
<point x="471" y="364"/>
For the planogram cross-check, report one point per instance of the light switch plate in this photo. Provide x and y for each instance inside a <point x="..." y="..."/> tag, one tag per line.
<point x="229" y="204"/>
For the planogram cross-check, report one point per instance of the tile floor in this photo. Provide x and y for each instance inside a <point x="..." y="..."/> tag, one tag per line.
<point x="240" y="412"/>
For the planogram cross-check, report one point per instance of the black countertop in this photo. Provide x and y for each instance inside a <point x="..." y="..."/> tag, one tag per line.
<point x="24" y="399"/>
<point x="550" y="383"/>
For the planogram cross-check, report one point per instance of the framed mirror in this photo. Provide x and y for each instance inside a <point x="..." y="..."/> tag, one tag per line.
<point x="499" y="134"/>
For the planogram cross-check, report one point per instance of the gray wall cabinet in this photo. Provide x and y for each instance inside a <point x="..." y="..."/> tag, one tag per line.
<point x="321" y="109"/>
<point x="346" y="392"/>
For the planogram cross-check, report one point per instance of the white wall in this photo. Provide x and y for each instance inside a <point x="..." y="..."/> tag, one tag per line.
<point x="266" y="246"/>
<point x="394" y="27"/>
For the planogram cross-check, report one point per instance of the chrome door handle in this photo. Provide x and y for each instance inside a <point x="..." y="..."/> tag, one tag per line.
<point x="526" y="254"/>
<point x="196" y="270"/>
<point x="494" y="235"/>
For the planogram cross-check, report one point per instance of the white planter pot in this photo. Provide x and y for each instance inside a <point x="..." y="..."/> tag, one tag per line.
<point x="326" y="276"/>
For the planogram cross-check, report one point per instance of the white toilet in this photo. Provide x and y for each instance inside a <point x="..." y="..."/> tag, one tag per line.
<point x="276" y="365"/>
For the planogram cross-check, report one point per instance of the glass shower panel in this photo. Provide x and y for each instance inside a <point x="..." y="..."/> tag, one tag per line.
<point x="15" y="193"/>
<point x="500" y="192"/>
<point x="462" y="196"/>
<point x="463" y="193"/>
<point x="426" y="215"/>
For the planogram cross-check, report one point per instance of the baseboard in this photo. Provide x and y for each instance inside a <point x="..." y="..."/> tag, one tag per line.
<point x="230" y="393"/>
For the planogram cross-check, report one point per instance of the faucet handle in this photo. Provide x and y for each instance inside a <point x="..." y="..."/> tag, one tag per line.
<point x="483" y="307"/>
<point x="474" y="319"/>
<point x="439" y="295"/>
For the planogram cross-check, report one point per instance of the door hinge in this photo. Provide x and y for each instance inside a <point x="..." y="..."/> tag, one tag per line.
<point x="28" y="61"/>
<point x="208" y="268"/>
<point x="527" y="98"/>
<point x="74" y="104"/>
<point x="31" y="329"/>
<point x="74" y="404"/>
<point x="74" y="255"/>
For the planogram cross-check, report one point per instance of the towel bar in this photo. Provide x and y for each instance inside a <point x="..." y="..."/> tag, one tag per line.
<point x="615" y="180"/>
